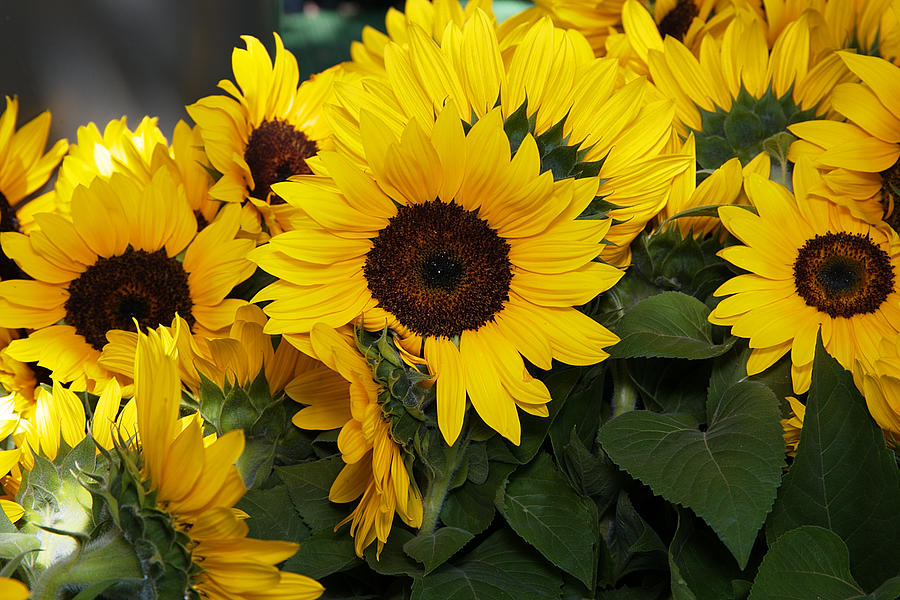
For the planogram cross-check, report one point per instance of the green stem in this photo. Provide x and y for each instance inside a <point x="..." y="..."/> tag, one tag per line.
<point x="625" y="394"/>
<point x="98" y="560"/>
<point x="439" y="485"/>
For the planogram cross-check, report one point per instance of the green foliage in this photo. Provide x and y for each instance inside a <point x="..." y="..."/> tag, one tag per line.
<point x="806" y="562"/>
<point x="843" y="478"/>
<point x="500" y="568"/>
<point x="669" y="325"/>
<point x="433" y="549"/>
<point x="728" y="473"/>
<point x="531" y="505"/>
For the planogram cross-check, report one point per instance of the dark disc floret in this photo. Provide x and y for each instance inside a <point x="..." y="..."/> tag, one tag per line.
<point x="843" y="274"/>
<point x="440" y="269"/>
<point x="275" y="151"/>
<point x="678" y="20"/>
<point x="145" y="286"/>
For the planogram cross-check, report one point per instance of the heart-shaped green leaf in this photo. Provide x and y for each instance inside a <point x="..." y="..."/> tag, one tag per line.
<point x="728" y="474"/>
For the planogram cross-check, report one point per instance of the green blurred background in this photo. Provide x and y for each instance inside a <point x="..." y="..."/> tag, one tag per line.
<point x="97" y="60"/>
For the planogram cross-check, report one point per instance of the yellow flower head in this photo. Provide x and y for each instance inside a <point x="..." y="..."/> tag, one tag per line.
<point x="117" y="260"/>
<point x="375" y="469"/>
<point x="138" y="154"/>
<point x="198" y="485"/>
<point x="475" y="253"/>
<point x="737" y="96"/>
<point x="590" y="121"/>
<point x="859" y="160"/>
<point x="813" y="267"/>
<point x="268" y="128"/>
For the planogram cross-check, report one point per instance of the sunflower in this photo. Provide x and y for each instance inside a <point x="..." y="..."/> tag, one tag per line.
<point x="23" y="169"/>
<point x="116" y="261"/>
<point x="588" y="120"/>
<point x="266" y="131"/>
<point x="139" y="154"/>
<point x="375" y="469"/>
<point x="198" y="485"/>
<point x="475" y="254"/>
<point x="738" y="97"/>
<point x="813" y="267"/>
<point x="860" y="161"/>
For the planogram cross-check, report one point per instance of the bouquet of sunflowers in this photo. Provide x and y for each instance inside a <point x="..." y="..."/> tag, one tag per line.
<point x="600" y="301"/>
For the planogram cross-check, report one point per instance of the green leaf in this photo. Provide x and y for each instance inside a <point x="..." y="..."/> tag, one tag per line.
<point x="272" y="515"/>
<point x="434" y="549"/>
<point x="592" y="475"/>
<point x="727" y="474"/>
<point x="471" y="506"/>
<point x="699" y="567"/>
<point x="308" y="485"/>
<point x="807" y="562"/>
<point x="843" y="478"/>
<point x="394" y="560"/>
<point x="889" y="590"/>
<point x="669" y="325"/>
<point x="14" y="544"/>
<point x="324" y="553"/>
<point x="541" y="506"/>
<point x="633" y="544"/>
<point x="501" y="568"/>
<point x="255" y="462"/>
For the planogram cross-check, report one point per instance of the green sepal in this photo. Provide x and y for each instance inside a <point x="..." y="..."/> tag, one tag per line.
<point x="749" y="127"/>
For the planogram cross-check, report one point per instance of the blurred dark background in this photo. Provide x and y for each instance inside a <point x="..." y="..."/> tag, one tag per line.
<point x="97" y="60"/>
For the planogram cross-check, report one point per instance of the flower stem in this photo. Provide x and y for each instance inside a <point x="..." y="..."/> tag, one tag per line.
<point x="439" y="485"/>
<point x="108" y="556"/>
<point x="625" y="394"/>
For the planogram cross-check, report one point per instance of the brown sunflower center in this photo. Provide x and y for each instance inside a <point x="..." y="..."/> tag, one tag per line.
<point x="274" y="152"/>
<point x="843" y="274"/>
<point x="890" y="195"/>
<point x="440" y="269"/>
<point x="8" y="222"/>
<point x="147" y="286"/>
<point x="678" y="20"/>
